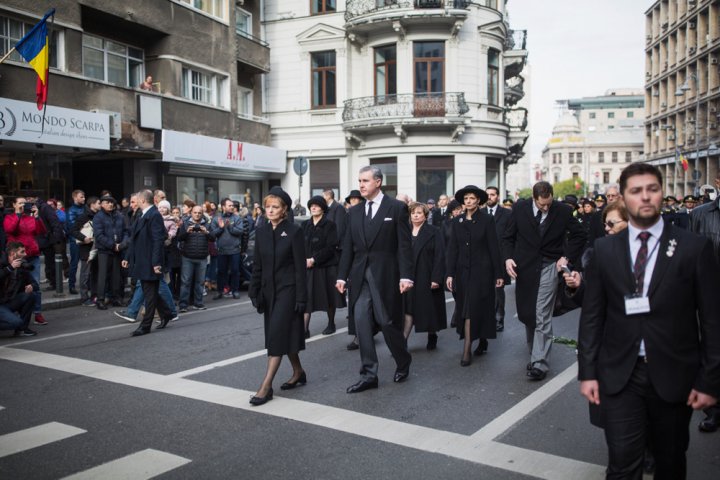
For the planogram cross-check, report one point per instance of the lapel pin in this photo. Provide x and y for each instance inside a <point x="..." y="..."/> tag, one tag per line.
<point x="671" y="248"/>
<point x="461" y="220"/>
<point x="283" y="234"/>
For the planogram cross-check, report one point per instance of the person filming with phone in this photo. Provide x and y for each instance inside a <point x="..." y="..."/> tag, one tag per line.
<point x="195" y="238"/>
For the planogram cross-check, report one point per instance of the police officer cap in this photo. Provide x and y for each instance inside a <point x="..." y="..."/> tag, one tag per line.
<point x="319" y="201"/>
<point x="690" y="198"/>
<point x="508" y="201"/>
<point x="670" y="197"/>
<point x="601" y="198"/>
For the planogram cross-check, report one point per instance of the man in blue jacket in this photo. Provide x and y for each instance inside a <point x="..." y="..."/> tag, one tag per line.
<point x="111" y="238"/>
<point x="75" y="210"/>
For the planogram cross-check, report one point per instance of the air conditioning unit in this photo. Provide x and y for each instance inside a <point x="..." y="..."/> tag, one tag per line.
<point x="691" y="50"/>
<point x="691" y="25"/>
<point x="671" y="137"/>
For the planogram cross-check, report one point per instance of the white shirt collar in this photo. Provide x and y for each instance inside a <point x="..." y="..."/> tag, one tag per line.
<point x="656" y="230"/>
<point x="144" y="210"/>
<point x="378" y="198"/>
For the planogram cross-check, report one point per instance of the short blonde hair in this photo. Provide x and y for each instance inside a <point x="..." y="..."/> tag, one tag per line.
<point x="275" y="197"/>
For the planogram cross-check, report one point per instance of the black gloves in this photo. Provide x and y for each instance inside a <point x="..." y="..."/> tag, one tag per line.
<point x="257" y="305"/>
<point x="299" y="307"/>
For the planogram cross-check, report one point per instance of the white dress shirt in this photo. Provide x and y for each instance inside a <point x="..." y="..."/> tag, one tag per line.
<point x="536" y="209"/>
<point x="376" y="203"/>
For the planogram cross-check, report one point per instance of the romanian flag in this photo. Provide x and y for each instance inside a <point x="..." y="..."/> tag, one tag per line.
<point x="35" y="49"/>
<point x="684" y="162"/>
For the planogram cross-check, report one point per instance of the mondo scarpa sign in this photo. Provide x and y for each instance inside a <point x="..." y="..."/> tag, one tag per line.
<point x="23" y="122"/>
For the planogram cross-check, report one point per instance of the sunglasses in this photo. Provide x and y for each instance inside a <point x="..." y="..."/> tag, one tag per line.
<point x="611" y="224"/>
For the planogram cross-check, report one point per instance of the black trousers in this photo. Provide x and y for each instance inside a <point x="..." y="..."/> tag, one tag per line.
<point x="109" y="267"/>
<point x="153" y="301"/>
<point x="500" y="305"/>
<point x="634" y="414"/>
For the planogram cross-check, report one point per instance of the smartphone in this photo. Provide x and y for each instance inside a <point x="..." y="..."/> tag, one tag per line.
<point x="566" y="269"/>
<point x="27" y="208"/>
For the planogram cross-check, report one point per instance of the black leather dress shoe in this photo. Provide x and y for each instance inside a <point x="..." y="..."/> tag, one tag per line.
<point x="140" y="331"/>
<point x="164" y="322"/>
<point x="302" y="380"/>
<point x="536" y="374"/>
<point x="432" y="341"/>
<point x="362" y="385"/>
<point x="401" y="377"/>
<point x="256" y="401"/>
<point x="711" y="422"/>
<point x="353" y="345"/>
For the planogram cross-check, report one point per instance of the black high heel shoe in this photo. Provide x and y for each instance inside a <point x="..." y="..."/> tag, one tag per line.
<point x="302" y="380"/>
<point x="257" y="401"/>
<point x="465" y="363"/>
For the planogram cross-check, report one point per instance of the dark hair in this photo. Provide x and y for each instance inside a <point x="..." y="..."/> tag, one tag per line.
<point x="638" y="168"/>
<point x="330" y="193"/>
<point x="13" y="247"/>
<point x="189" y="203"/>
<point x="542" y="190"/>
<point x="91" y="199"/>
<point x="225" y="200"/>
<point x="497" y="192"/>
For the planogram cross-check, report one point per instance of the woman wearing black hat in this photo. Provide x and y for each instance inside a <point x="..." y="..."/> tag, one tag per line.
<point x="424" y="304"/>
<point x="278" y="289"/>
<point x="474" y="270"/>
<point x="321" y="251"/>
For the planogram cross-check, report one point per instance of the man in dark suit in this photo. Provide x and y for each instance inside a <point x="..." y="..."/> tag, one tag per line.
<point x="649" y="339"/>
<point x="377" y="260"/>
<point x="541" y="237"/>
<point x="336" y="213"/>
<point x="440" y="213"/>
<point x="501" y="217"/>
<point x="145" y="259"/>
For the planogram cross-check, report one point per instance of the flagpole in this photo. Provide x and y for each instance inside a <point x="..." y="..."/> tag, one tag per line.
<point x="7" y="55"/>
<point x="47" y="75"/>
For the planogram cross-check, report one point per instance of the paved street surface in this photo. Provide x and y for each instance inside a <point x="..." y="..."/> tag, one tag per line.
<point x="85" y="400"/>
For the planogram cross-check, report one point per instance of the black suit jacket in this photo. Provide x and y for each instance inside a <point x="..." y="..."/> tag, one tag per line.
<point x="501" y="218"/>
<point x="527" y="246"/>
<point x="681" y="332"/>
<point x="438" y="218"/>
<point x="385" y="247"/>
<point x="336" y="213"/>
<point x="146" y="245"/>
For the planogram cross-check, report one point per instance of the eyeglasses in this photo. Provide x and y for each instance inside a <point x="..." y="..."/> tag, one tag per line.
<point x="611" y="224"/>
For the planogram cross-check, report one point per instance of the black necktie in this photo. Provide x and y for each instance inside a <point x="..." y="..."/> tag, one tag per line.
<point x="368" y="217"/>
<point x="641" y="261"/>
<point x="492" y="212"/>
<point x="538" y="217"/>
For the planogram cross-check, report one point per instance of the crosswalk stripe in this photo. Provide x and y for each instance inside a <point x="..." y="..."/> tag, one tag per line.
<point x="22" y="440"/>
<point x="137" y="466"/>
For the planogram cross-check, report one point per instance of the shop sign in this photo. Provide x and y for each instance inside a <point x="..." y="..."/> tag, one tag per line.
<point x="23" y="122"/>
<point x="188" y="148"/>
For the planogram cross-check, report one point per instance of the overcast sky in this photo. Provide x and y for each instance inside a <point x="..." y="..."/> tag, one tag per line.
<point x="578" y="48"/>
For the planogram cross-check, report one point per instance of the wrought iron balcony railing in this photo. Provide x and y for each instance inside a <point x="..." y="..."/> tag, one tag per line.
<point x="423" y="105"/>
<point x="355" y="8"/>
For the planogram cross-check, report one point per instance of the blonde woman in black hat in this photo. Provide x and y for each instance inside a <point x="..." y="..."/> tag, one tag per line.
<point x="474" y="270"/>
<point x="278" y="290"/>
<point x="321" y="243"/>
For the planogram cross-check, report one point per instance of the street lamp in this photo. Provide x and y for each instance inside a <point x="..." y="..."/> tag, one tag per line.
<point x="681" y="90"/>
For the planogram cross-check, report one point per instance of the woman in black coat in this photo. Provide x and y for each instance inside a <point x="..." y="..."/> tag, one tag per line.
<point x="474" y="271"/>
<point x="321" y="242"/>
<point x="278" y="290"/>
<point x="425" y="303"/>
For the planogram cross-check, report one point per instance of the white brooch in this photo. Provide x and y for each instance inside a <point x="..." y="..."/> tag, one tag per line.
<point x="283" y="234"/>
<point x="671" y="248"/>
<point x="461" y="220"/>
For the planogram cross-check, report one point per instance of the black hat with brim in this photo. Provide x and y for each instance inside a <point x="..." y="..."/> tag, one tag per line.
<point x="480" y="193"/>
<point x="353" y="194"/>
<point x="282" y="195"/>
<point x="319" y="201"/>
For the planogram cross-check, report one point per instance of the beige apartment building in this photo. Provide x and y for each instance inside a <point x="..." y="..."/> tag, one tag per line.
<point x="682" y="91"/>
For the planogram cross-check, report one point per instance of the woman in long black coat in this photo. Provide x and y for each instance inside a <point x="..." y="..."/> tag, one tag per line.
<point x="474" y="271"/>
<point x="278" y="290"/>
<point x="425" y="302"/>
<point x="321" y="242"/>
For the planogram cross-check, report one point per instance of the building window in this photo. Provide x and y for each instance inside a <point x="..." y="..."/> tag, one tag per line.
<point x="575" y="175"/>
<point x="324" y="174"/>
<point x="243" y="23"/>
<point x="606" y="177"/>
<point x="572" y="157"/>
<point x="592" y="115"/>
<point x="579" y="157"/>
<point x="611" y="114"/>
<point x="388" y="165"/>
<point x="493" y="86"/>
<point x="630" y="114"/>
<point x="203" y="87"/>
<point x="214" y="8"/>
<point x="323" y="79"/>
<point x="628" y="157"/>
<point x="323" y="6"/>
<point x="245" y="102"/>
<point x="11" y="31"/>
<point x="614" y="157"/>
<point x="429" y="61"/>
<point x="112" y="62"/>
<point x="601" y="157"/>
<point x="559" y="157"/>
<point x="385" y="71"/>
<point x="436" y="175"/>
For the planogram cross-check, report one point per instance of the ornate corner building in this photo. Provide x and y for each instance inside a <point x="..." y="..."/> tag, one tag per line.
<point x="682" y="91"/>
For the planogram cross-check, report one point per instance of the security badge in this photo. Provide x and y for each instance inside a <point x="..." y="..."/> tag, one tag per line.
<point x="636" y="304"/>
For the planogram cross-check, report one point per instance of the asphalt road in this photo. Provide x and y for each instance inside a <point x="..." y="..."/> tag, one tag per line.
<point x="86" y="400"/>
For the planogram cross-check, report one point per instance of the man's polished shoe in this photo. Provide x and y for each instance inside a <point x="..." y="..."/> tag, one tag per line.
<point x="141" y="331"/>
<point x="500" y="327"/>
<point x="401" y="376"/>
<point x="164" y="322"/>
<point x="353" y="345"/>
<point x="535" y="374"/>
<point x="362" y="385"/>
<point x="256" y="401"/>
<point x="101" y="306"/>
<point x="711" y="422"/>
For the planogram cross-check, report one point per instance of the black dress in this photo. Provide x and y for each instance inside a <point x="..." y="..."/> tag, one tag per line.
<point x="321" y="244"/>
<point x="278" y="284"/>
<point x="473" y="260"/>
<point x="427" y="305"/>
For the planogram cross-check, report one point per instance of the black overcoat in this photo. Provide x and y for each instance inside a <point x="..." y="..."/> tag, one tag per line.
<point x="501" y="218"/>
<point x="523" y="242"/>
<point x="321" y="244"/>
<point x="147" y="242"/>
<point x="474" y="263"/>
<point x="278" y="284"/>
<point x="385" y="248"/>
<point x="428" y="305"/>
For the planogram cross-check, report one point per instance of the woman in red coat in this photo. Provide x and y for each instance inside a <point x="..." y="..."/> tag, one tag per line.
<point x="23" y="227"/>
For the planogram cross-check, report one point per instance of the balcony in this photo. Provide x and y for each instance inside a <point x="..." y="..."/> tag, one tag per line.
<point x="514" y="90"/>
<point x="517" y="120"/>
<point x="516" y="53"/>
<point x="376" y="16"/>
<point x="400" y="111"/>
<point x="253" y="54"/>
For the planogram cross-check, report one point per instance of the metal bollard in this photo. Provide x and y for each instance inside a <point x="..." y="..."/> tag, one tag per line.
<point x="59" y="275"/>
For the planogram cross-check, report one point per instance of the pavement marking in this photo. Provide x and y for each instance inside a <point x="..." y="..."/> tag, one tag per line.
<point x="523" y="408"/>
<point x="34" y="437"/>
<point x="137" y="466"/>
<point x="480" y="451"/>
<point x="242" y="358"/>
